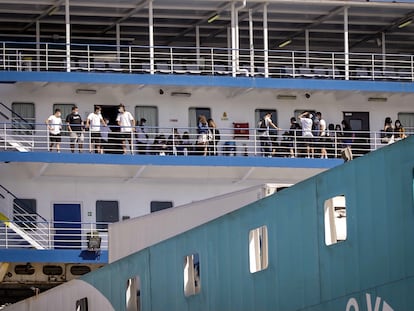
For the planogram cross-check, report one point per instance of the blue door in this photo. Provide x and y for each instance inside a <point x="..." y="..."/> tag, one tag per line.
<point x="67" y="223"/>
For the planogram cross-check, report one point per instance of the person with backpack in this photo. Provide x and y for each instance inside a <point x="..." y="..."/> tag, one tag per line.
<point x="264" y="125"/>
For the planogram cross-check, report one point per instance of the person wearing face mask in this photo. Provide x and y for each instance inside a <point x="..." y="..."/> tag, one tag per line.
<point x="399" y="131"/>
<point x="93" y="122"/>
<point x="75" y="128"/>
<point x="54" y="125"/>
<point x="126" y="123"/>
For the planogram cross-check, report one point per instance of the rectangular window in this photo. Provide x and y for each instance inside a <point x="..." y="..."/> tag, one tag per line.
<point x="258" y="249"/>
<point x="65" y="109"/>
<point x="24" y="212"/>
<point x="260" y="113"/>
<point x="160" y="205"/>
<point x="82" y="304"/>
<point x="407" y="121"/>
<point x="193" y="114"/>
<point x="192" y="281"/>
<point x="150" y="114"/>
<point x="133" y="294"/>
<point x="23" y="116"/>
<point x="106" y="212"/>
<point x="335" y="220"/>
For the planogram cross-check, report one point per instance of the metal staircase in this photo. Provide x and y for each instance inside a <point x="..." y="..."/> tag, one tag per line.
<point x="15" y="138"/>
<point x="26" y="228"/>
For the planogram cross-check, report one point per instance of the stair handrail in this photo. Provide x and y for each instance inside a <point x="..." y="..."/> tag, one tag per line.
<point x="16" y="114"/>
<point x="11" y="193"/>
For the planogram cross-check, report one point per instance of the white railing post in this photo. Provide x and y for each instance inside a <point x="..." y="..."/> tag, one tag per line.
<point x="295" y="143"/>
<point x="412" y="68"/>
<point x="130" y="59"/>
<point x="333" y="65"/>
<point x="212" y="61"/>
<point x="293" y="64"/>
<point x="88" y="57"/>
<point x="47" y="56"/>
<point x="171" y="61"/>
<point x="373" y="66"/>
<point x="4" y="55"/>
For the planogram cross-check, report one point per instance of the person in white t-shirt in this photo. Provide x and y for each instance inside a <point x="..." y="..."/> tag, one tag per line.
<point x="54" y="125"/>
<point x="322" y="135"/>
<point x="306" y="120"/>
<point x="93" y="122"/>
<point x="126" y="123"/>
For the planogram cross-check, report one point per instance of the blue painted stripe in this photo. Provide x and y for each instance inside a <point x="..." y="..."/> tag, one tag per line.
<point x="114" y="159"/>
<point x="53" y="256"/>
<point x="207" y="81"/>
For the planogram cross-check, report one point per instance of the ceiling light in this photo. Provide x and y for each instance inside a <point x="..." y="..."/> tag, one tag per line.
<point x="85" y="91"/>
<point x="286" y="96"/>
<point x="377" y="99"/>
<point x="283" y="44"/>
<point x="213" y="18"/>
<point x="181" y="94"/>
<point x="405" y="23"/>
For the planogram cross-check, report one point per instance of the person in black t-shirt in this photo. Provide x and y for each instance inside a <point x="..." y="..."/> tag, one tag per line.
<point x="75" y="128"/>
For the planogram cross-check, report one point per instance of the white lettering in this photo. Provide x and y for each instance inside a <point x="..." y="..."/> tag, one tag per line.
<point x="386" y="307"/>
<point x="369" y="304"/>
<point x="352" y="303"/>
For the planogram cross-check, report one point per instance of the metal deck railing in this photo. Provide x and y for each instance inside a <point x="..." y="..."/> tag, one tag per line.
<point x="231" y="142"/>
<point x="27" y="56"/>
<point x="52" y="234"/>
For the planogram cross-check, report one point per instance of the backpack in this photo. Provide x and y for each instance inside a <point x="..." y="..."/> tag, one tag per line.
<point x="262" y="126"/>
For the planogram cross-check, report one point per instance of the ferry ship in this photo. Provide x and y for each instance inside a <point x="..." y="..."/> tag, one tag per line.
<point x="168" y="63"/>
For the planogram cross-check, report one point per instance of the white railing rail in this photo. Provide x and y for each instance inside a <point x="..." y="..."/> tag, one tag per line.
<point x="53" y="235"/>
<point x="32" y="56"/>
<point x="231" y="142"/>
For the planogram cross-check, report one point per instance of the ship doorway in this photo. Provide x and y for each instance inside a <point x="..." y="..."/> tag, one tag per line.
<point x="110" y="112"/>
<point x="67" y="224"/>
<point x="359" y="122"/>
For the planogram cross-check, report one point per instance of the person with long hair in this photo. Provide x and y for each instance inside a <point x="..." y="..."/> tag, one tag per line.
<point x="202" y="130"/>
<point x="399" y="131"/>
<point x="214" y="137"/>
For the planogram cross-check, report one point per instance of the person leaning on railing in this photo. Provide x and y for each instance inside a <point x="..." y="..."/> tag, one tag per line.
<point x="399" y="131"/>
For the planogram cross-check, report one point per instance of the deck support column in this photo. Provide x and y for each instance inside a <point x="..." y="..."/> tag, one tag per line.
<point x="151" y="35"/>
<point x="197" y="29"/>
<point x="251" y="42"/>
<point x="384" y="51"/>
<point x="307" y="47"/>
<point x="265" y="42"/>
<point x="38" y="45"/>
<point x="346" y="43"/>
<point x="67" y="22"/>
<point x="233" y="40"/>
<point x="118" y="41"/>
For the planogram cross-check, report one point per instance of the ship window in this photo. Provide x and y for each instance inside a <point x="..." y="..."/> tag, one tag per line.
<point x="260" y="113"/>
<point x="26" y="269"/>
<point x="82" y="304"/>
<point x="79" y="270"/>
<point x="65" y="109"/>
<point x="150" y="114"/>
<point x="335" y="220"/>
<point x="52" y="270"/>
<point x="193" y="114"/>
<point x="133" y="294"/>
<point x="24" y="213"/>
<point x="407" y="120"/>
<point x="192" y="281"/>
<point x="106" y="212"/>
<point x="258" y="249"/>
<point x="23" y="116"/>
<point x="160" y="205"/>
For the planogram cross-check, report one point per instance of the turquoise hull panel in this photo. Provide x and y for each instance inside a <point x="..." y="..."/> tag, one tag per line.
<point x="372" y="270"/>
